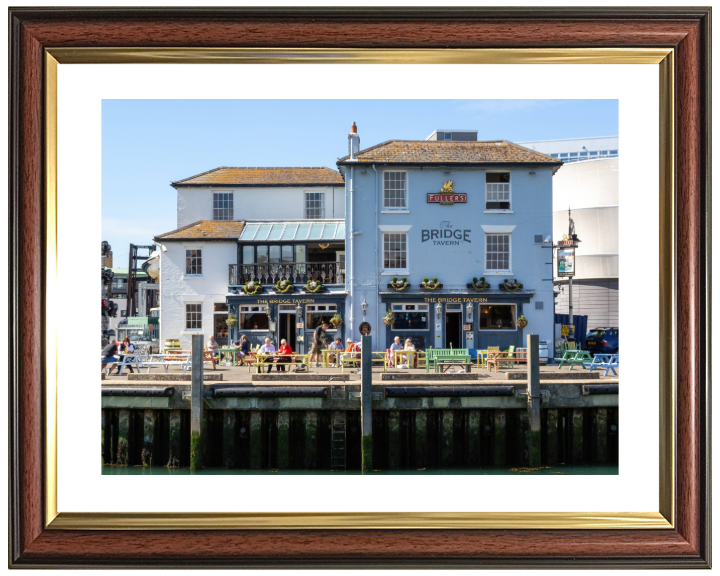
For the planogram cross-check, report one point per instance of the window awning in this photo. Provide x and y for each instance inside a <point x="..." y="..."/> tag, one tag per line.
<point x="293" y="231"/>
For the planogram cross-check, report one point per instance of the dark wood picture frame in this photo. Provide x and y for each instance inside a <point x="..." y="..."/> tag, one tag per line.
<point x="686" y="30"/>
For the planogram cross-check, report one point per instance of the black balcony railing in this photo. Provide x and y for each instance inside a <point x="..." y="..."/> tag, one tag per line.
<point x="294" y="272"/>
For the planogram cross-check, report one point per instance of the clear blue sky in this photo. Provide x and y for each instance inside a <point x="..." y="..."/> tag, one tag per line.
<point x="146" y="144"/>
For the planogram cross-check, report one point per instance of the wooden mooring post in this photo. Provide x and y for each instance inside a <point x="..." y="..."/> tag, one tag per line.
<point x="366" y="402"/>
<point x="196" y="403"/>
<point x="534" y="400"/>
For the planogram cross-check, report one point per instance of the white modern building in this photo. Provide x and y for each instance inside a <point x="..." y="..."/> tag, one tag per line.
<point x="588" y="185"/>
<point x="237" y="225"/>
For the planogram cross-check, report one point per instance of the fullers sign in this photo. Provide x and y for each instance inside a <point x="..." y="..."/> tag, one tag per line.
<point x="447" y="195"/>
<point x="446" y="235"/>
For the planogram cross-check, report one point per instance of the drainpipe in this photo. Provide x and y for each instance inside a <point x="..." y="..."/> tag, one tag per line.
<point x="352" y="253"/>
<point x="377" y="255"/>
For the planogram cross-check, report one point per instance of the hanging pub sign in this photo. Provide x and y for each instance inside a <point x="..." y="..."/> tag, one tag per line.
<point x="447" y="195"/>
<point x="566" y="262"/>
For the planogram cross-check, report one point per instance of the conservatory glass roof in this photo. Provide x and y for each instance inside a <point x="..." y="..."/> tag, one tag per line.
<point x="293" y="231"/>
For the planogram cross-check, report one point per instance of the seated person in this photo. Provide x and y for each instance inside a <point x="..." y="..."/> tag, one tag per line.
<point x="108" y="355"/>
<point x="409" y="346"/>
<point x="213" y="346"/>
<point x="350" y="348"/>
<point x="335" y="345"/>
<point x="243" y="349"/>
<point x="396" y="345"/>
<point x="282" y="360"/>
<point x="267" y="348"/>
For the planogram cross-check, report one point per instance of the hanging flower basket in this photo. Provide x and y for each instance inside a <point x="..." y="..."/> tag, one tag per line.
<point x="522" y="321"/>
<point x="313" y="286"/>
<point x="252" y="288"/>
<point x="231" y="321"/>
<point x="399" y="285"/>
<point x="479" y="285"/>
<point x="336" y="320"/>
<point x="511" y="285"/>
<point x="389" y="318"/>
<point x="284" y="286"/>
<point x="430" y="284"/>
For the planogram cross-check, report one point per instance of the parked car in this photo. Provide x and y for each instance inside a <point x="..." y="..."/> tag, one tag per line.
<point x="602" y="341"/>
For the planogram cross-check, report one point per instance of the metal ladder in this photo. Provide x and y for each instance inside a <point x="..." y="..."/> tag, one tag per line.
<point x="338" y="459"/>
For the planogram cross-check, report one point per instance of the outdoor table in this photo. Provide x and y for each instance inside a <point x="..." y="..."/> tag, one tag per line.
<point x="409" y="353"/>
<point x="326" y="357"/>
<point x="269" y="359"/>
<point x="573" y="357"/>
<point x="495" y="358"/>
<point x="445" y="365"/>
<point x="229" y="350"/>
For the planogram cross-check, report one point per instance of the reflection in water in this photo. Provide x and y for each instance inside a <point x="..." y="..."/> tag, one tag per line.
<point x="589" y="470"/>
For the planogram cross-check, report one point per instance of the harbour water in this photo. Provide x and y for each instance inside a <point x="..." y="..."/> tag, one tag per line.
<point x="562" y="470"/>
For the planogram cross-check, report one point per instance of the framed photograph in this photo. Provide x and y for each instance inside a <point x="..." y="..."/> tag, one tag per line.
<point x="149" y="127"/>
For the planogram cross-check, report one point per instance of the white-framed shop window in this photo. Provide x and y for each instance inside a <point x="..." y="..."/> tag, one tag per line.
<point x="253" y="318"/>
<point x="395" y="190"/>
<point x="497" y="191"/>
<point x="411" y="316"/>
<point x="316" y="314"/>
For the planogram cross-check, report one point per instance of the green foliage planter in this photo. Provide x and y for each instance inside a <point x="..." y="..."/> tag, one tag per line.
<point x="231" y="321"/>
<point x="479" y="285"/>
<point x="252" y="288"/>
<point x="511" y="285"/>
<point x="318" y="287"/>
<point x="430" y="284"/>
<point x="283" y="287"/>
<point x="398" y="285"/>
<point x="336" y="320"/>
<point x="389" y="318"/>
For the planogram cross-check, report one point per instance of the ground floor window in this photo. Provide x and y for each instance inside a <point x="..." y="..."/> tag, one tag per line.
<point x="497" y="317"/>
<point x="410" y="316"/>
<point x="193" y="316"/>
<point x="254" y="318"/>
<point x="316" y="314"/>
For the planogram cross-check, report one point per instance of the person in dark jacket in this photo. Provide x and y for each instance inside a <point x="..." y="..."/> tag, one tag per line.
<point x="108" y="355"/>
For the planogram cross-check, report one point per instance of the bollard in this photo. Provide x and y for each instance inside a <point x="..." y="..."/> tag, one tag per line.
<point x="196" y="403"/>
<point x="366" y="402"/>
<point x="534" y="400"/>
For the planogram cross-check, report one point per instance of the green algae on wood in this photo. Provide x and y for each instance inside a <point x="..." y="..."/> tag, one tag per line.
<point x="367" y="453"/>
<point x="577" y="435"/>
<point x="472" y="438"/>
<point x="149" y="418"/>
<point x="195" y="451"/>
<point x="601" y="435"/>
<point x="228" y="441"/>
<point x="255" y="439"/>
<point x="393" y="439"/>
<point x="175" y="430"/>
<point x="310" y="439"/>
<point x="552" y="436"/>
<point x="446" y="436"/>
<point x="421" y="438"/>
<point x="123" y="438"/>
<point x="283" y="439"/>
<point x="499" y="438"/>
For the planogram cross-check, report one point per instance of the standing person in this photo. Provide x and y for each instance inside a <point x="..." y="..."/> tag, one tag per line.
<point x="267" y="348"/>
<point x="243" y="348"/>
<point x="318" y="343"/>
<point x="282" y="360"/>
<point x="108" y="355"/>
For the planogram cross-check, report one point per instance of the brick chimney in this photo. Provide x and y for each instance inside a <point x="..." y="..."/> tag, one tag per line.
<point x="353" y="142"/>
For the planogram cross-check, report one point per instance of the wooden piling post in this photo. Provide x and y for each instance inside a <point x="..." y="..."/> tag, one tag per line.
<point x="123" y="451"/>
<point x="394" y="443"/>
<point x="103" y="428"/>
<point x="421" y="439"/>
<point x="534" y="401"/>
<point x="206" y="439"/>
<point x="255" y="439"/>
<point x="283" y="439"/>
<point x="196" y="403"/>
<point x="311" y="419"/>
<point x="175" y="425"/>
<point x="472" y="439"/>
<point x="552" y="436"/>
<point x="366" y="402"/>
<point x="228" y="445"/>
<point x="523" y="438"/>
<point x="499" y="438"/>
<point x="446" y="449"/>
<point x="577" y="435"/>
<point x="149" y="419"/>
<point x="601" y="436"/>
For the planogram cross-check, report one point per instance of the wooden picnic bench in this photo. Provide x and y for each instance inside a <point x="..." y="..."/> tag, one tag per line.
<point x="496" y="358"/>
<point x="607" y="361"/>
<point x="432" y="354"/>
<point x="128" y="361"/>
<point x="444" y="363"/>
<point x="574" y="357"/>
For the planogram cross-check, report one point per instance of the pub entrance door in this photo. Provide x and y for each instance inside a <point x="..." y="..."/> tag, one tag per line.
<point x="286" y="328"/>
<point x="453" y="326"/>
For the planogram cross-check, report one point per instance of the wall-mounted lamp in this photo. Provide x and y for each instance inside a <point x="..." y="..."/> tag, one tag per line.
<point x="298" y="310"/>
<point x="267" y="311"/>
<point x="469" y="310"/>
<point x="364" y="306"/>
<point x="438" y="310"/>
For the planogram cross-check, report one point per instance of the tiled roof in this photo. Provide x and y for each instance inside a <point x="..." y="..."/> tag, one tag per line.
<point x="224" y="176"/>
<point x="206" y="230"/>
<point x="441" y="152"/>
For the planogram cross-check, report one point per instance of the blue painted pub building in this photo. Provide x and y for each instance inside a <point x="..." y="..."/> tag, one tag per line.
<point x="465" y="224"/>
